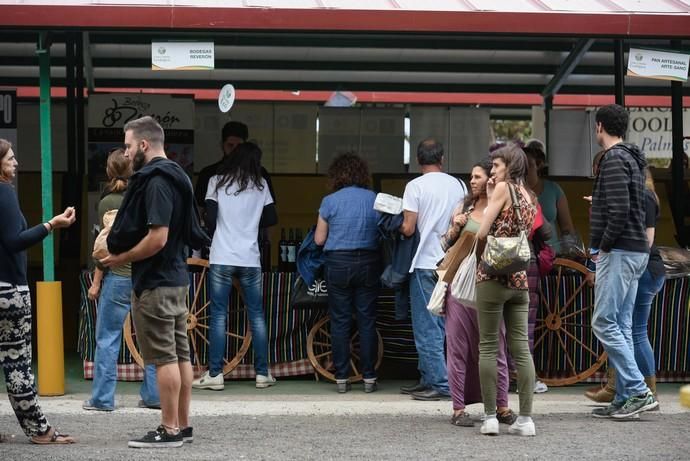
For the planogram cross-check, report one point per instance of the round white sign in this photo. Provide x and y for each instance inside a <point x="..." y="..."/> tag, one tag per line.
<point x="226" y="98"/>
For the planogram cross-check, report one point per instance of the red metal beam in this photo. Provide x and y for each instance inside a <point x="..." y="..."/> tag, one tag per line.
<point x="393" y="20"/>
<point x="487" y="99"/>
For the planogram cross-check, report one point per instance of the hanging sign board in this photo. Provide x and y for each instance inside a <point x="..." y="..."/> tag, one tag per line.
<point x="182" y="56"/>
<point x="661" y="65"/>
<point x="226" y="98"/>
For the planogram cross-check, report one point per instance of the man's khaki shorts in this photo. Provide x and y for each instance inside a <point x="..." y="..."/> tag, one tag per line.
<point x="160" y="321"/>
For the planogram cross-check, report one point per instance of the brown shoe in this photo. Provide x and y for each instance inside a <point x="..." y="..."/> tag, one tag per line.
<point x="606" y="393"/>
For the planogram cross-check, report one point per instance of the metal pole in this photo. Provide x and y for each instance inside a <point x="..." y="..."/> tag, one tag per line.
<point x="43" y="51"/>
<point x="619" y="72"/>
<point x="677" y="171"/>
<point x="69" y="84"/>
<point x="81" y="152"/>
<point x="548" y="107"/>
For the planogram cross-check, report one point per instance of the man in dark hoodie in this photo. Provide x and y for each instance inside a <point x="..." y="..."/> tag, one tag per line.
<point x="157" y="221"/>
<point x="618" y="235"/>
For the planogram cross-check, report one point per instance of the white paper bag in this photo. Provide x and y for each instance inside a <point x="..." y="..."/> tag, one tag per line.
<point x="464" y="285"/>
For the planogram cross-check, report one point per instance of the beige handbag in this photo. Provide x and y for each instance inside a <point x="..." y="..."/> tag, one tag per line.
<point x="464" y="286"/>
<point x="100" y="246"/>
<point x="507" y="255"/>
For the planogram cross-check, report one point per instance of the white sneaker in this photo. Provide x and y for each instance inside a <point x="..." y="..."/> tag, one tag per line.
<point x="206" y="381"/>
<point x="540" y="388"/>
<point x="489" y="426"/>
<point x="524" y="429"/>
<point x="262" y="382"/>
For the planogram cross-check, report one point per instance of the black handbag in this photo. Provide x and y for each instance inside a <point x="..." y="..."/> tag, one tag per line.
<point x="314" y="296"/>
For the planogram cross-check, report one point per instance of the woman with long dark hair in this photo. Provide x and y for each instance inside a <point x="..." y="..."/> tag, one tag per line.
<point x="15" y="303"/>
<point x="346" y="226"/>
<point x="236" y="200"/>
<point x="462" y="331"/>
<point x="505" y="297"/>
<point x="113" y="290"/>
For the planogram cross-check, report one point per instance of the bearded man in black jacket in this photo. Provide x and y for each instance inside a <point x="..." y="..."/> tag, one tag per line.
<point x="156" y="223"/>
<point x="618" y="234"/>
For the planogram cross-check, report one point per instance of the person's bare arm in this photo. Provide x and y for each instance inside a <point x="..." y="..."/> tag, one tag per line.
<point x="151" y="244"/>
<point x="321" y="232"/>
<point x="497" y="202"/>
<point x="409" y="224"/>
<point x="565" y="221"/>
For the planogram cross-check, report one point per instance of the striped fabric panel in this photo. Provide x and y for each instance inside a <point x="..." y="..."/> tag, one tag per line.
<point x="398" y="341"/>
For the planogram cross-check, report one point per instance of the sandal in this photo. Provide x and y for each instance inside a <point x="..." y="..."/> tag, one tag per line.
<point x="55" y="439"/>
<point x="506" y="417"/>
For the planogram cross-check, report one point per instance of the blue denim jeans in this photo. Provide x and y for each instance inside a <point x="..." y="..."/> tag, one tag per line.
<point x="647" y="289"/>
<point x="429" y="332"/>
<point x="352" y="278"/>
<point x="220" y="277"/>
<point x="113" y="305"/>
<point x="615" y="291"/>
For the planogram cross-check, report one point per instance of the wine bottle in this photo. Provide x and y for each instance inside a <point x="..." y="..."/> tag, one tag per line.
<point x="282" y="260"/>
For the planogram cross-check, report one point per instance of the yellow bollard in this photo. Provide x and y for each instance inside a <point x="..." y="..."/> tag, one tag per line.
<point x="50" y="343"/>
<point x="685" y="395"/>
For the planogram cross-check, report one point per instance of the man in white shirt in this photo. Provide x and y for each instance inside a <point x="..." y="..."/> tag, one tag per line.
<point x="428" y="204"/>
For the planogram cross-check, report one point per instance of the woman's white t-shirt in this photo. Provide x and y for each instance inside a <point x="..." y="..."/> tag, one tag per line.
<point x="235" y="242"/>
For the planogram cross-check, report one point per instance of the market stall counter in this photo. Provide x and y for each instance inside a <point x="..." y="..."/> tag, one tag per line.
<point x="566" y="350"/>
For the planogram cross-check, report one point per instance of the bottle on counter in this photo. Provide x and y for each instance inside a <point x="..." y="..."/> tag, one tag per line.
<point x="282" y="252"/>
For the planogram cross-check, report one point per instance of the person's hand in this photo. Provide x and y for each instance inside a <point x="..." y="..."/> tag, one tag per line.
<point x="113" y="260"/>
<point x="590" y="278"/>
<point x="588" y="198"/>
<point x="460" y="220"/>
<point x="490" y="186"/>
<point x="94" y="292"/>
<point x="64" y="219"/>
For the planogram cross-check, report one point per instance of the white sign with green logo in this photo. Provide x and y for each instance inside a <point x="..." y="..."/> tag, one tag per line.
<point x="662" y="65"/>
<point x="182" y="55"/>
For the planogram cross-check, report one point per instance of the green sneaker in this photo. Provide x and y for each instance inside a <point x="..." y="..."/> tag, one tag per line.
<point x="635" y="405"/>
<point x="607" y="411"/>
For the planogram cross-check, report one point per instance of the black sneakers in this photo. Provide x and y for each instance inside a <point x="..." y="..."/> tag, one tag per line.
<point x="159" y="439"/>
<point x="187" y="435"/>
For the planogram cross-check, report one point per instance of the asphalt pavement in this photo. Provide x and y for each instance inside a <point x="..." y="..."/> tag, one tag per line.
<point x="307" y="420"/>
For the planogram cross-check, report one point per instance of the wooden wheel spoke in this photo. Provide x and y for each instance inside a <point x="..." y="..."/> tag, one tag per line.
<point x="319" y="343"/>
<point x="573" y="314"/>
<point x="541" y="338"/>
<point x="580" y="343"/>
<point x="354" y="367"/>
<point x="581" y="325"/>
<point x="540" y="327"/>
<point x="325" y="333"/>
<point x="557" y="305"/>
<point x="202" y="318"/>
<point x="196" y="351"/>
<point x="202" y="308"/>
<point x="355" y="355"/>
<point x="572" y="297"/>
<point x="324" y="354"/>
<point x="201" y="335"/>
<point x="234" y="335"/>
<point x="565" y="353"/>
<point x="198" y="291"/>
<point x="545" y="302"/>
<point x="201" y="325"/>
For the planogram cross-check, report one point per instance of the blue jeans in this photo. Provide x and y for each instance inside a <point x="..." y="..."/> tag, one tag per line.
<point x="429" y="332"/>
<point x="113" y="305"/>
<point x="647" y="289"/>
<point x="352" y="279"/>
<point x="615" y="290"/>
<point x="220" y="277"/>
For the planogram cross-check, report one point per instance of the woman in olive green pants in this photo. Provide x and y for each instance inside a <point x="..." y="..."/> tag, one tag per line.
<point x="506" y="297"/>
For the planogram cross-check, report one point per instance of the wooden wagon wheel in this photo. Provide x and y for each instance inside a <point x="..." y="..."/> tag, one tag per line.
<point x="239" y="337"/>
<point x="320" y="351"/>
<point x="565" y="328"/>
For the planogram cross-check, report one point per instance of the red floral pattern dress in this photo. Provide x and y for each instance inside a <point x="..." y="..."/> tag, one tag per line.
<point x="507" y="225"/>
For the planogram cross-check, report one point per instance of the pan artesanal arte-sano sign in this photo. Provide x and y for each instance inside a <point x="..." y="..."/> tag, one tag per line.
<point x="182" y="55"/>
<point x="662" y="65"/>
